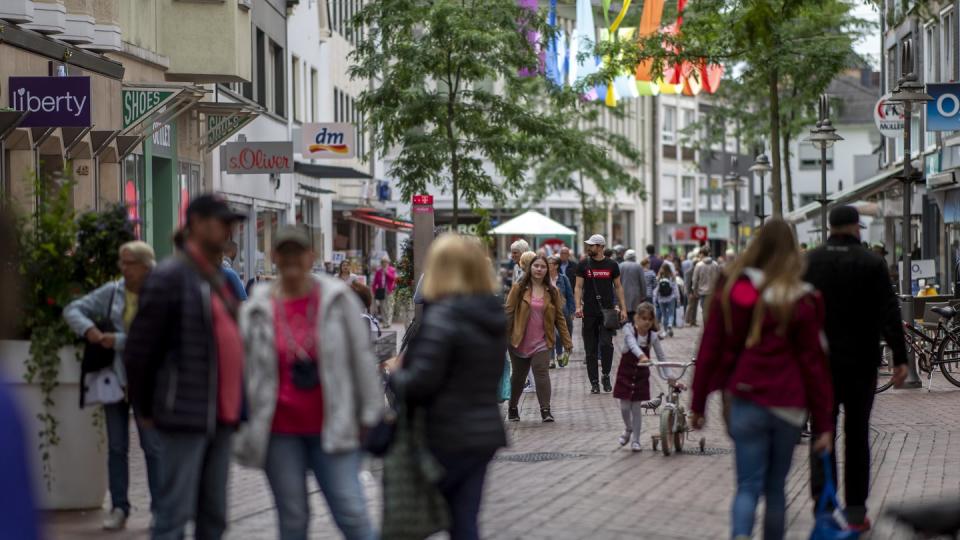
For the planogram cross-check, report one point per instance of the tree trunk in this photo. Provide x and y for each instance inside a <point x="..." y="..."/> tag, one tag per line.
<point x="586" y="220"/>
<point x="786" y="169"/>
<point x="775" y="184"/>
<point x="454" y="161"/>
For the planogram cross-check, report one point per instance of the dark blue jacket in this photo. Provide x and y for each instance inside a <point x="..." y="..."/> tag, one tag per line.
<point x="566" y="291"/>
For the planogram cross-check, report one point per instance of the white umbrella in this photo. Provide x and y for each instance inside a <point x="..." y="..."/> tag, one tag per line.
<point x="532" y="223"/>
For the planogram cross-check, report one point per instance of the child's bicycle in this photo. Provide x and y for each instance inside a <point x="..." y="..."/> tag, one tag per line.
<point x="674" y="427"/>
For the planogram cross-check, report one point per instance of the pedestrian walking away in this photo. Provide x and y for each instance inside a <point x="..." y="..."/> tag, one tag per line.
<point x="568" y="264"/>
<point x="634" y="285"/>
<point x="452" y="371"/>
<point x="312" y="389"/>
<point x="560" y="281"/>
<point x="655" y="261"/>
<point x="649" y="279"/>
<point x="366" y="303"/>
<point x="633" y="378"/>
<point x="665" y="297"/>
<point x="762" y="346"/>
<point x="705" y="276"/>
<point x="861" y="308"/>
<point x="598" y="283"/>
<point x="690" y="309"/>
<point x="116" y="303"/>
<point x="384" y="285"/>
<point x="184" y="362"/>
<point x="534" y="312"/>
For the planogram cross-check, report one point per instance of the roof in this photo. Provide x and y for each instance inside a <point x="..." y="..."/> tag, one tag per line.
<point x="855" y="99"/>
<point x="854" y="193"/>
<point x="533" y="223"/>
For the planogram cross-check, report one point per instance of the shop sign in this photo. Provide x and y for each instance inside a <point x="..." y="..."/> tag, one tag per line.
<point x="698" y="233"/>
<point x="51" y="101"/>
<point x="924" y="268"/>
<point x="138" y="103"/>
<point x="163" y="139"/>
<point x="888" y="116"/>
<point x="258" y="157"/>
<point x="423" y="204"/>
<point x="943" y="111"/>
<point x="221" y="127"/>
<point x="330" y="140"/>
<point x="717" y="225"/>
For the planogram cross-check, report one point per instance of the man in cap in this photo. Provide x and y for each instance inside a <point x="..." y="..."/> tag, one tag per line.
<point x="598" y="278"/>
<point x="184" y="359"/>
<point x="619" y="252"/>
<point x="861" y="308"/>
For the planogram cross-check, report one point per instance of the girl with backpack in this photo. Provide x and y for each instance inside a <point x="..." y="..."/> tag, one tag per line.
<point x="665" y="298"/>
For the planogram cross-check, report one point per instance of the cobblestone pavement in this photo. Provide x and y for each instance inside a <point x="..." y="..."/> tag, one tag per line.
<point x="595" y="489"/>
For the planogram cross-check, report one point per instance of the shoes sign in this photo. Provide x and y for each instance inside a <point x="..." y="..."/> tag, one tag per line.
<point x="258" y="157"/>
<point x="331" y="140"/>
<point x="51" y="101"/>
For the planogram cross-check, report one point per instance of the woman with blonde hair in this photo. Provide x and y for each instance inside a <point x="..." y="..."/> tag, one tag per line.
<point x="762" y="346"/>
<point x="452" y="370"/>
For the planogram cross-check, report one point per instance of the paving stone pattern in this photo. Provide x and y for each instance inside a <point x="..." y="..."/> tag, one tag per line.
<point x="595" y="489"/>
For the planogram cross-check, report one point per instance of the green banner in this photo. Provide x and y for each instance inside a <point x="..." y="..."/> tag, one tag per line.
<point x="221" y="127"/>
<point x="138" y="103"/>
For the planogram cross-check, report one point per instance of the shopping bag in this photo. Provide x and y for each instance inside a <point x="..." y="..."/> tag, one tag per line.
<point x="505" y="381"/>
<point x="830" y="524"/>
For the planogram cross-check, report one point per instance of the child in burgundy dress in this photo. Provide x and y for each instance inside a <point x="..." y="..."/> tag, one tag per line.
<point x="633" y="380"/>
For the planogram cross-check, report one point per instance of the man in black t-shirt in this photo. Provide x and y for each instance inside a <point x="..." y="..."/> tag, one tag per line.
<point x="598" y="283"/>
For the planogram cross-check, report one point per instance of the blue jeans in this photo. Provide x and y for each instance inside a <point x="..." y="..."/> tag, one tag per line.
<point x="558" y="344"/>
<point x="117" y="417"/>
<point x="764" y="445"/>
<point x="667" y="313"/>
<point x="193" y="484"/>
<point x="289" y="457"/>
<point x="462" y="488"/>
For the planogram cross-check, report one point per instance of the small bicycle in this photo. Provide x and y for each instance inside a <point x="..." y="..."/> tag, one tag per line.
<point x="674" y="428"/>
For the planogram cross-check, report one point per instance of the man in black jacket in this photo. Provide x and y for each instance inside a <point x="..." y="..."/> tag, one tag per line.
<point x="184" y="359"/>
<point x="860" y="308"/>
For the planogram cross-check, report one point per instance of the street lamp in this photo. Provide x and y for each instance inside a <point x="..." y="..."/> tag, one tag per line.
<point x="761" y="166"/>
<point x="822" y="137"/>
<point x="732" y="181"/>
<point x="908" y="92"/>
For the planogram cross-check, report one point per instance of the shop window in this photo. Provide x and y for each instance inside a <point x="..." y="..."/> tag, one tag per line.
<point x="134" y="187"/>
<point x="190" y="186"/>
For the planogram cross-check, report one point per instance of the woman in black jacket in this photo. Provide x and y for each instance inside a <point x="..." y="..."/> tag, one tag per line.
<point x="453" y="368"/>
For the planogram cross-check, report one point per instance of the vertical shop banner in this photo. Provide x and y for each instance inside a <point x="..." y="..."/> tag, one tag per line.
<point x="51" y="101"/>
<point x="331" y="140"/>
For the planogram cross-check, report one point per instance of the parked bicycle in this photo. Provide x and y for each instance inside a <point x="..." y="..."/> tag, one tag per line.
<point x="939" y="349"/>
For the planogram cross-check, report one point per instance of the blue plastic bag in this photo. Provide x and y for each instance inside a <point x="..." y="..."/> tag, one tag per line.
<point x="830" y="524"/>
<point x="505" y="381"/>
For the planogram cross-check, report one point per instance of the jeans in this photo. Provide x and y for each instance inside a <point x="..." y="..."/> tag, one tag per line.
<point x="763" y="445"/>
<point x="289" y="457"/>
<point x="193" y="484"/>
<point x="855" y="390"/>
<point x="667" y="313"/>
<point x="462" y="487"/>
<point x="596" y="336"/>
<point x="540" y="362"/>
<point x="117" y="417"/>
<point x="558" y="345"/>
<point x="690" y="313"/>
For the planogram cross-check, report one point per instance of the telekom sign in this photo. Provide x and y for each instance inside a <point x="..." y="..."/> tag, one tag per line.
<point x="258" y="157"/>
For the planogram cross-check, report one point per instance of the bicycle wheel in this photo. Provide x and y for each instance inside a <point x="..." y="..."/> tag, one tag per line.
<point x="885" y="370"/>
<point x="680" y="432"/>
<point x="948" y="358"/>
<point x="666" y="430"/>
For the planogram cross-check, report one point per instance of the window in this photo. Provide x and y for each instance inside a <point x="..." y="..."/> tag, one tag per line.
<point x="340" y="14"/>
<point x="261" y="68"/>
<point x="686" y="192"/>
<point x="345" y="110"/>
<point x="810" y="157"/>
<point x="669" y="124"/>
<point x="947" y="44"/>
<point x="297" y="89"/>
<point x="668" y="191"/>
<point x="930" y="43"/>
<point x="314" y="91"/>
<point x="703" y="199"/>
<point x="279" y="94"/>
<point x="687" y="120"/>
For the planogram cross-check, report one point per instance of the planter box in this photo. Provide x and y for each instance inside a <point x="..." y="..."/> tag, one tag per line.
<point x="79" y="462"/>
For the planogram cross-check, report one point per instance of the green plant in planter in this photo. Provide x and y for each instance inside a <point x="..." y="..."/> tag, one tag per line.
<point x="99" y="237"/>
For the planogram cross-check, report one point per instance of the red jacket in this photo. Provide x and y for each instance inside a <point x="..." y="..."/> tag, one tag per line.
<point x="788" y="370"/>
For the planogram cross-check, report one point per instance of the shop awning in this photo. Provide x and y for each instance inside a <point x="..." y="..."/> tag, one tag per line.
<point x="368" y="216"/>
<point x="854" y="193"/>
<point x="9" y="120"/>
<point x="223" y="120"/>
<point x="328" y="171"/>
<point x="168" y="101"/>
<point x="315" y="190"/>
<point x="533" y="223"/>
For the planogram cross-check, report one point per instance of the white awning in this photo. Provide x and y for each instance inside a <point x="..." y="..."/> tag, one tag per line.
<point x="854" y="193"/>
<point x="532" y="223"/>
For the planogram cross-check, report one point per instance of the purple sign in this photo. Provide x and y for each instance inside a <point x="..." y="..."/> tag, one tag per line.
<point x="51" y="101"/>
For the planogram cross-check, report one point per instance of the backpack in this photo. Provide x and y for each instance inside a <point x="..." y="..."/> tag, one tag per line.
<point x="664" y="288"/>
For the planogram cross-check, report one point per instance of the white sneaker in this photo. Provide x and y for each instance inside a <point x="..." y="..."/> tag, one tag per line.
<point x="635" y="446"/>
<point x="115" y="520"/>
<point x="624" y="438"/>
<point x="529" y="389"/>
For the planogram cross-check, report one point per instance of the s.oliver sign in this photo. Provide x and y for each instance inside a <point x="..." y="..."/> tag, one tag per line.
<point x="258" y="157"/>
<point x="51" y="101"/>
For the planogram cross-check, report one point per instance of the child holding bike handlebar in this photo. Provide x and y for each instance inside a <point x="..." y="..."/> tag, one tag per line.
<point x="633" y="377"/>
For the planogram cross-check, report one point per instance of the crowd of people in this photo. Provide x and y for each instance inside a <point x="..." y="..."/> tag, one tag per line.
<point x="286" y="382"/>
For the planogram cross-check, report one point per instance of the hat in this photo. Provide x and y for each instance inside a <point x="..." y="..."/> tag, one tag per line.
<point x="212" y="205"/>
<point x="596" y="240"/>
<point x="842" y="216"/>
<point x="630" y="255"/>
<point x="292" y="234"/>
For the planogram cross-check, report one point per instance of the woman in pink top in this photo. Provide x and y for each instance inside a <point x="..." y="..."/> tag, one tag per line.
<point x="384" y="283"/>
<point x="534" y="316"/>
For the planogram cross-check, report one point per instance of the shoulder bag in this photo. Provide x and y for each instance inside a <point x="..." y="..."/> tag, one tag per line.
<point x="611" y="317"/>
<point x="96" y="356"/>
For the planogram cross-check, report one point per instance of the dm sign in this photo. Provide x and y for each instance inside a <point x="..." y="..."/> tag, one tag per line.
<point x="888" y="116"/>
<point x="943" y="111"/>
<point x="329" y="141"/>
<point x="51" y="101"/>
<point x="258" y="157"/>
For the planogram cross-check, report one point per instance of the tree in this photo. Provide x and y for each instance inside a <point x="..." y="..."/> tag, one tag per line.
<point x="450" y="95"/>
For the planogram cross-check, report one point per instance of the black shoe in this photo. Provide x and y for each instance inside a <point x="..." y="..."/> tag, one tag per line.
<point x="594" y="388"/>
<point x="513" y="414"/>
<point x="606" y="384"/>
<point x="545" y="415"/>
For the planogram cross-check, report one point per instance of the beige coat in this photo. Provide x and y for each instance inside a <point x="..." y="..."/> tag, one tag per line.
<point x="518" y="313"/>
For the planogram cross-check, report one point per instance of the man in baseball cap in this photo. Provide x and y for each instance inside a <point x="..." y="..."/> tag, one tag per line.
<point x="595" y="240"/>
<point x="598" y="288"/>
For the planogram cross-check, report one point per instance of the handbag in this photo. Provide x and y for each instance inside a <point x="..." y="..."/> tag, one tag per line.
<point x="505" y="380"/>
<point x="413" y="507"/>
<point x="96" y="356"/>
<point x="611" y="317"/>
<point x="380" y="293"/>
<point x="830" y="524"/>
